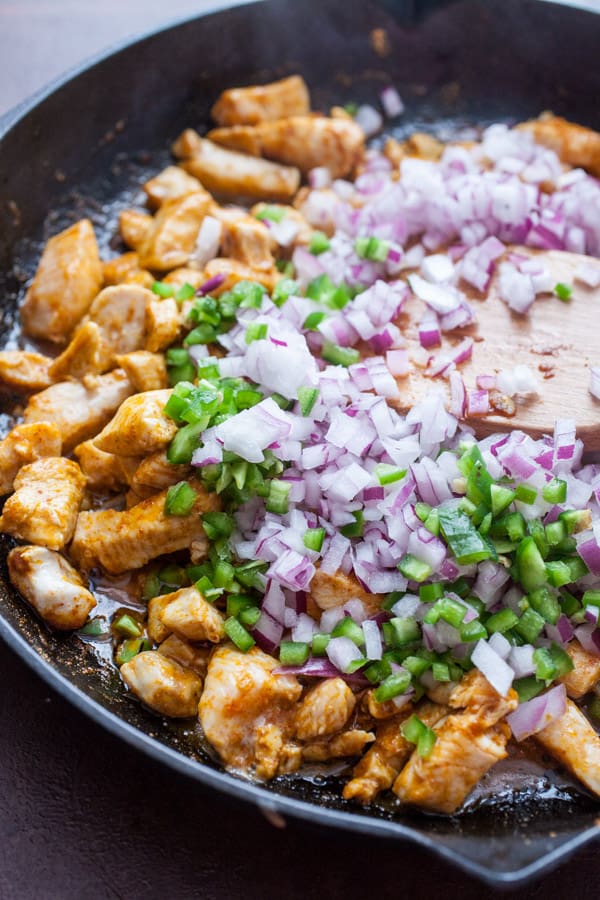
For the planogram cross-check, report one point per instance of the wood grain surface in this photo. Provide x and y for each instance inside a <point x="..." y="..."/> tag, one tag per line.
<point x="83" y="816"/>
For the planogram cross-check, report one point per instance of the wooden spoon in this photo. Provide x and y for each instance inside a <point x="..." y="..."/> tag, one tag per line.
<point x="557" y="340"/>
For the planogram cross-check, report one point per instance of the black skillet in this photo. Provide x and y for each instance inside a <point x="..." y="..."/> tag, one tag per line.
<point x="85" y="146"/>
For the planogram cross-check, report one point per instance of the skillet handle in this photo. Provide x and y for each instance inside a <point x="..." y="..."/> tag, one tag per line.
<point x="410" y="12"/>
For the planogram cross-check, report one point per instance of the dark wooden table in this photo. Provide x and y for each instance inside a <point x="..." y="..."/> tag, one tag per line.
<point x="84" y="817"/>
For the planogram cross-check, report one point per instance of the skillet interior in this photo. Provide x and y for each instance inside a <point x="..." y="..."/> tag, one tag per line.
<point x="88" y="146"/>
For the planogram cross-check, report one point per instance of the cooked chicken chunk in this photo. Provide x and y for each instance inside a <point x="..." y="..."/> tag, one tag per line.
<point x="125" y="269"/>
<point x="325" y="709"/>
<point x="82" y="356"/>
<point x="475" y="694"/>
<point x="262" y="103"/>
<point x="194" y="658"/>
<point x="174" y="232"/>
<point x="190" y="616"/>
<point x="248" y="240"/>
<point x="573" y="144"/>
<point x="44" y="507"/>
<point x="586" y="673"/>
<point x="157" y="630"/>
<point x="301" y="141"/>
<point x="120" y="314"/>
<point x="155" y="473"/>
<point x="575" y="743"/>
<point x="79" y="410"/>
<point x="135" y="227"/>
<point x="185" y="275"/>
<point x="140" y="426"/>
<point x="68" y="278"/>
<point x="119" y="541"/>
<point x="335" y="590"/>
<point x="241" y="699"/>
<point x="234" y="271"/>
<point x="381" y="763"/>
<point x="23" y="445"/>
<point x="24" y="371"/>
<point x="104" y="471"/>
<point x="163" y="324"/>
<point x="236" y="175"/>
<point x="162" y="684"/>
<point x="52" y="586"/>
<point x="146" y="371"/>
<point x="348" y="743"/>
<point x="172" y="182"/>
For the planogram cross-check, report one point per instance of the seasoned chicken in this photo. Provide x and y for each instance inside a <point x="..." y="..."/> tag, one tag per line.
<point x="163" y="324"/>
<point x="302" y="141"/>
<point x="104" y="471"/>
<point x="79" y="410"/>
<point x="173" y="234"/>
<point x="245" y="711"/>
<point x="172" y="182"/>
<point x="120" y="314"/>
<point x="162" y="684"/>
<point x="155" y="473"/>
<point x="324" y="710"/>
<point x="573" y="144"/>
<point x="234" y="271"/>
<point x="24" y="371"/>
<point x="140" y="426"/>
<point x="119" y="541"/>
<point x="262" y="102"/>
<point x="185" y="275"/>
<point x="248" y="240"/>
<point x="381" y="763"/>
<point x="186" y="654"/>
<point x="82" y="356"/>
<point x="135" y="227"/>
<point x="44" y="507"/>
<point x="125" y="269"/>
<point x="335" y="590"/>
<point x="586" y="673"/>
<point x="146" y="371"/>
<point x="68" y="278"/>
<point x="348" y="743"/>
<point x="576" y="744"/>
<point x="237" y="175"/>
<point x="23" y="445"/>
<point x="475" y="694"/>
<point x="192" y="617"/>
<point x="157" y="630"/>
<point x="53" y="587"/>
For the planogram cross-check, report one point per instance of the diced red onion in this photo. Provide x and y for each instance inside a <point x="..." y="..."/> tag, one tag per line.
<point x="589" y="638"/>
<point x="521" y="661"/>
<point x="207" y="242"/>
<point x="478" y="403"/>
<point x="341" y="651"/>
<point x="534" y="715"/>
<point x="492" y="667"/>
<point x="369" y="119"/>
<point x="391" y="102"/>
<point x="594" y="386"/>
<point x="373" y="642"/>
<point x="211" y="285"/>
<point x="267" y="632"/>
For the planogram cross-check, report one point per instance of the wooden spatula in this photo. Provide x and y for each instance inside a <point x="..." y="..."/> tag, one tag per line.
<point x="557" y="340"/>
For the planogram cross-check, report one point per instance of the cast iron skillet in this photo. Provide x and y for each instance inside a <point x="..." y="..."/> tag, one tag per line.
<point x="84" y="147"/>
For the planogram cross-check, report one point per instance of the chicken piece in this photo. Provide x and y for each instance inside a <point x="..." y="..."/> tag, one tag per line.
<point x="157" y="630"/>
<point x="135" y="227"/>
<point x="235" y="271"/>
<point x="248" y="241"/>
<point x="274" y="755"/>
<point x="574" y="144"/>
<point x="52" y="586"/>
<point x="82" y="356"/>
<point x="23" y="445"/>
<point x="155" y="473"/>
<point x="79" y="410"/>
<point x="187" y="144"/>
<point x="120" y="314"/>
<point x="262" y="102"/>
<point x="139" y="427"/>
<point x="169" y="184"/>
<point x="24" y="371"/>
<point x="174" y="232"/>
<point x="162" y="684"/>
<point x="237" y="175"/>
<point x="381" y="763"/>
<point x="190" y="616"/>
<point x="576" y="744"/>
<point x="246" y="712"/>
<point x="163" y="324"/>
<point x="68" y="278"/>
<point x="586" y="673"/>
<point x="335" y="590"/>
<point x="301" y="141"/>
<point x="325" y="709"/>
<point x="424" y="146"/>
<point x="475" y="694"/>
<point x="44" y="507"/>
<point x="348" y="743"/>
<point x="146" y="371"/>
<point x="194" y="658"/>
<point x="179" y="277"/>
<point x="104" y="471"/>
<point x="125" y="269"/>
<point x="463" y="752"/>
<point x="119" y="541"/>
